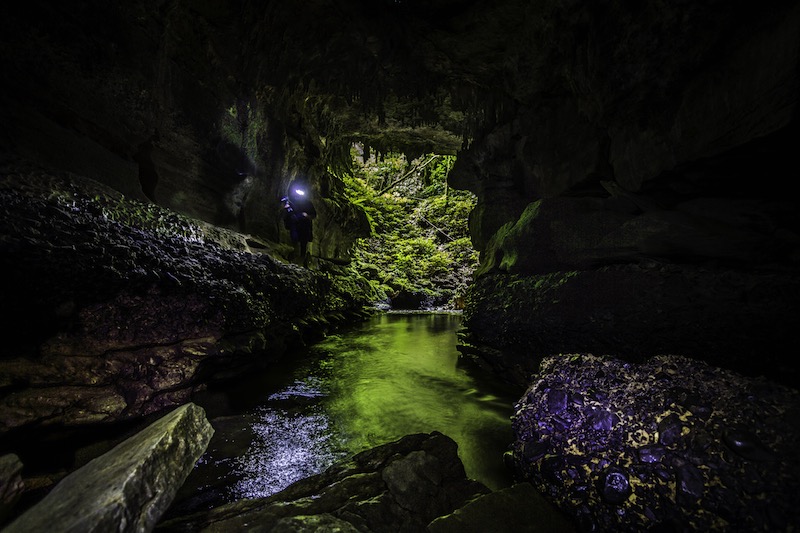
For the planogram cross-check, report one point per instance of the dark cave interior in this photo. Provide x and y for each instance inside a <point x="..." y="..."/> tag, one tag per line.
<point x="633" y="164"/>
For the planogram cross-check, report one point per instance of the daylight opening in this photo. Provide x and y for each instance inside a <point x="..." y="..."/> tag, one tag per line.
<point x="419" y="254"/>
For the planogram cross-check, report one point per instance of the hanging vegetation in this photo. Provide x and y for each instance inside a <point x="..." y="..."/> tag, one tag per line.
<point x="419" y="254"/>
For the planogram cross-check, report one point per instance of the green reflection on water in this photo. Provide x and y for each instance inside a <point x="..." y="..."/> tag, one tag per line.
<point x="399" y="374"/>
<point x="393" y="375"/>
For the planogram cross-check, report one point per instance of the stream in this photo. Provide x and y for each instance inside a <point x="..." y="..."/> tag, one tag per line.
<point x="395" y="374"/>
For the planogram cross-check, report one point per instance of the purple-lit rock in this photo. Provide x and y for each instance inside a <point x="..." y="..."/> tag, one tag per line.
<point x="747" y="445"/>
<point x="615" y="487"/>
<point x="651" y="454"/>
<point x="671" y="442"/>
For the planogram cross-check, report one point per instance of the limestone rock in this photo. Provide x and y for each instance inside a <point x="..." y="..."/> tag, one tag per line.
<point x="121" y="309"/>
<point x="672" y="442"/>
<point x="129" y="487"/>
<point x="11" y="484"/>
<point x="399" y="486"/>
<point x="517" y="509"/>
<point x="736" y="319"/>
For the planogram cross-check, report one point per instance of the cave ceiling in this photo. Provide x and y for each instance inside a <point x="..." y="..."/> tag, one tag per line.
<point x="538" y="97"/>
<point x="402" y="76"/>
<point x="433" y="76"/>
<point x="397" y="75"/>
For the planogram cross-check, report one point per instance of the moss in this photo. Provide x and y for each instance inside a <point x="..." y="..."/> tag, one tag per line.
<point x="419" y="243"/>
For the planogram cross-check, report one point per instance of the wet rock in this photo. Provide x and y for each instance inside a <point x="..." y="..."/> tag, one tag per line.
<point x="129" y="487"/>
<point x="690" y="484"/>
<point x="11" y="484"/>
<point x="614" y="486"/>
<point x="535" y="450"/>
<point x="517" y="509"/>
<point x="669" y="430"/>
<point x="557" y="400"/>
<point x="651" y="454"/>
<point x="403" y="484"/>
<point x="123" y="309"/>
<point x="674" y="455"/>
<point x="748" y="445"/>
<point x="601" y="419"/>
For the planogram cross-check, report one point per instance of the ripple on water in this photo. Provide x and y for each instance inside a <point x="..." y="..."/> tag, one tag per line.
<point x="309" y="388"/>
<point x="287" y="446"/>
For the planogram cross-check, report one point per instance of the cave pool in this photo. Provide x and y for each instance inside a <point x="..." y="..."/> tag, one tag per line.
<point x="392" y="375"/>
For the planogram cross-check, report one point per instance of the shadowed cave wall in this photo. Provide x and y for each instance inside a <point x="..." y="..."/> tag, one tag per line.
<point x="633" y="162"/>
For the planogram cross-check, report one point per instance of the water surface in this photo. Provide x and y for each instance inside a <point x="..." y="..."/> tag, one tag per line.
<point x="393" y="375"/>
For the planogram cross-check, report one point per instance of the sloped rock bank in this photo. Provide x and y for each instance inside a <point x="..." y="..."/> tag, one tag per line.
<point x="641" y="206"/>
<point x="671" y="444"/>
<point x="730" y="317"/>
<point x="119" y="309"/>
<point x="128" y="488"/>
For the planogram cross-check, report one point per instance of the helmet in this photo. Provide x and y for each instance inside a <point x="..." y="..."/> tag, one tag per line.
<point x="297" y="192"/>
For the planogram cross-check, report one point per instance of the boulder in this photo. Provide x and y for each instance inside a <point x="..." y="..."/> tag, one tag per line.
<point x="122" y="309"/>
<point x="129" y="487"/>
<point x="672" y="444"/>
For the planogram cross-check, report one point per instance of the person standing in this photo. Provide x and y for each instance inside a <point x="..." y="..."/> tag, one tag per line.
<point x="298" y="217"/>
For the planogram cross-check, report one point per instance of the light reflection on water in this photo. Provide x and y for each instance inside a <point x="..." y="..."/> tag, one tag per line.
<point x="394" y="375"/>
<point x="286" y="447"/>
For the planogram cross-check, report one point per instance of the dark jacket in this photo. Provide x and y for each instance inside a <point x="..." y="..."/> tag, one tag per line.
<point x="298" y="215"/>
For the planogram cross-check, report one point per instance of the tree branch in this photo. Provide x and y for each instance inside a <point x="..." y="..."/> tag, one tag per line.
<point x="407" y="174"/>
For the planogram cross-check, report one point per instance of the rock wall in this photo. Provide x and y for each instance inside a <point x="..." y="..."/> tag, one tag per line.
<point x="122" y="308"/>
<point x="153" y="100"/>
<point x="637" y="193"/>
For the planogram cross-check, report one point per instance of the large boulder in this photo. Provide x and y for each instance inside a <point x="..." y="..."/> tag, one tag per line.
<point x="121" y="308"/>
<point x="672" y="444"/>
<point x="129" y="487"/>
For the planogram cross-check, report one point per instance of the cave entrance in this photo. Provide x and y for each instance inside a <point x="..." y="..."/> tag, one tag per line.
<point x="419" y="254"/>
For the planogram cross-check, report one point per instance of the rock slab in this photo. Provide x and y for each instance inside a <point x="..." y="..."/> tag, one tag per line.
<point x="129" y="487"/>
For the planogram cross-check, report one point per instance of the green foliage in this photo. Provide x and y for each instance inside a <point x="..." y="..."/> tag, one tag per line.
<point x="419" y="240"/>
